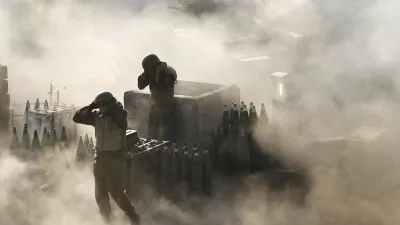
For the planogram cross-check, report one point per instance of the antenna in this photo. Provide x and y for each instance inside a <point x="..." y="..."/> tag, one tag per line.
<point x="51" y="93"/>
<point x="52" y="88"/>
<point x="58" y="97"/>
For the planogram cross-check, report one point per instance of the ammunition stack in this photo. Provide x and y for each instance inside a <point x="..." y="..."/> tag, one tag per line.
<point x="4" y="100"/>
<point x="40" y="143"/>
<point x="85" y="149"/>
<point x="51" y="117"/>
<point x="172" y="169"/>
<point x="235" y="150"/>
<point x="45" y="127"/>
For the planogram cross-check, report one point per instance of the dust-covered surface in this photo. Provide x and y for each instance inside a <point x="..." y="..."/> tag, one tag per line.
<point x="347" y="74"/>
<point x="53" y="189"/>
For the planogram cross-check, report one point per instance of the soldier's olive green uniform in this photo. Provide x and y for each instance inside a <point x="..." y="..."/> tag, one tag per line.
<point x="110" y="164"/>
<point x="162" y="109"/>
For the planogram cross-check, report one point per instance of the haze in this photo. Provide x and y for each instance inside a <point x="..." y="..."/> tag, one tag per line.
<point x="351" y="53"/>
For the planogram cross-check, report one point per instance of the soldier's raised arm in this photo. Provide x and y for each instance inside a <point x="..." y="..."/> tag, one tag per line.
<point x="85" y="115"/>
<point x="173" y="75"/>
<point x="143" y="81"/>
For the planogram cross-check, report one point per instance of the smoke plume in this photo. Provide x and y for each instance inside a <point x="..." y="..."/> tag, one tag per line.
<point x="344" y="69"/>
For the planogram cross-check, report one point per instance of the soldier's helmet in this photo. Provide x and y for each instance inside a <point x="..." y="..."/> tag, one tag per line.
<point x="104" y="98"/>
<point x="150" y="61"/>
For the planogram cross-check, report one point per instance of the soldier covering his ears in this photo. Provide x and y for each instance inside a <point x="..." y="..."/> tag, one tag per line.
<point x="110" y="124"/>
<point x="161" y="80"/>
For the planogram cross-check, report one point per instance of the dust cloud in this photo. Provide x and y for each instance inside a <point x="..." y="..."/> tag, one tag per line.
<point x="346" y="73"/>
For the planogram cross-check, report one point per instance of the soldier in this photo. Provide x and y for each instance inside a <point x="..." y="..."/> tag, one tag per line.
<point x="109" y="119"/>
<point x="161" y="80"/>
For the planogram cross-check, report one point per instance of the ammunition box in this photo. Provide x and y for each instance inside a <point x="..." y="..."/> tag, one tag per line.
<point x="131" y="139"/>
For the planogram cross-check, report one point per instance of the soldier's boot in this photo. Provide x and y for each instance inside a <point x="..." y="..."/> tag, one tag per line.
<point x="125" y="204"/>
<point x="135" y="219"/>
<point x="103" y="202"/>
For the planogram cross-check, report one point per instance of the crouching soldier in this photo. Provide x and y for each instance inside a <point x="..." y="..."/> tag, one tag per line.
<point x="161" y="80"/>
<point x="109" y="119"/>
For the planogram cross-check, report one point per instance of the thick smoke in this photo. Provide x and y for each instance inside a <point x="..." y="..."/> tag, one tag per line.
<point x="345" y="72"/>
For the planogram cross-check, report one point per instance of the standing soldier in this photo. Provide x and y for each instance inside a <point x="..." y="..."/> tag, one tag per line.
<point x="110" y="124"/>
<point x="161" y="80"/>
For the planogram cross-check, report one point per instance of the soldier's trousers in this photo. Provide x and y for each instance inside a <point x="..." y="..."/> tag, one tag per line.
<point x="110" y="179"/>
<point x="162" y="122"/>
